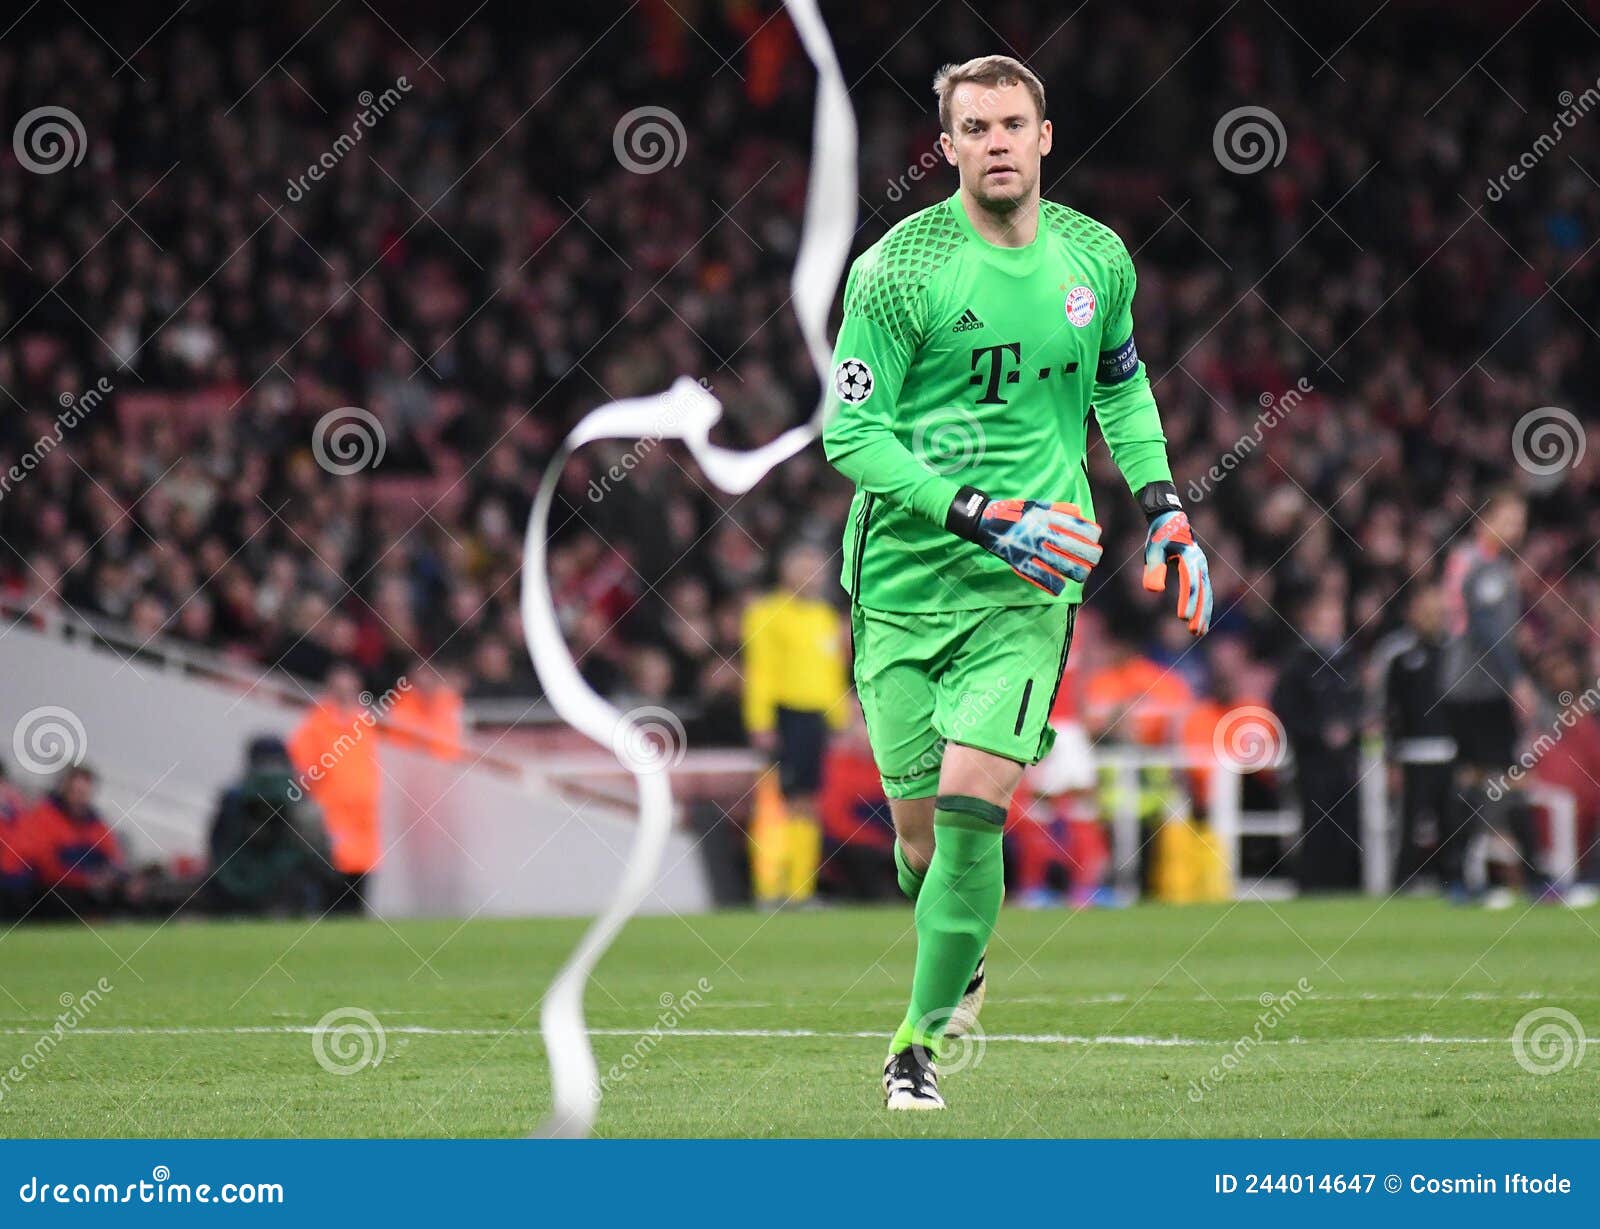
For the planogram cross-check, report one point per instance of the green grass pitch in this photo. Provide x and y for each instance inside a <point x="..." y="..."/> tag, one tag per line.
<point x="1390" y="1019"/>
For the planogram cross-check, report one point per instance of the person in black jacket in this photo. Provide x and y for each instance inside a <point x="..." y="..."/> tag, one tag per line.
<point x="1318" y="699"/>
<point x="269" y="849"/>
<point x="1417" y="735"/>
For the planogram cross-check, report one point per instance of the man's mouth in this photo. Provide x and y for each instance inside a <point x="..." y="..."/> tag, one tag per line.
<point x="1001" y="170"/>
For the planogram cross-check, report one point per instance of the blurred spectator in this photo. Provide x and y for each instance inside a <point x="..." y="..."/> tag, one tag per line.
<point x="335" y="752"/>
<point x="269" y="852"/>
<point x="1065" y="838"/>
<point x="76" y="860"/>
<point x="501" y="671"/>
<point x="1570" y="712"/>
<point x="16" y="876"/>
<point x="719" y="698"/>
<point x="1418" y="740"/>
<point x="1133" y="698"/>
<point x="427" y="712"/>
<point x="1319" y="700"/>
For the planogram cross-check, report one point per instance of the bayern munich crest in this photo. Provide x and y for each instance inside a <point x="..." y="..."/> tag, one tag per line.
<point x="1080" y="305"/>
<point x="852" y="380"/>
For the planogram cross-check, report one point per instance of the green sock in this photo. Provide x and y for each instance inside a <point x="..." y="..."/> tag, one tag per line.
<point x="910" y="880"/>
<point x="956" y="913"/>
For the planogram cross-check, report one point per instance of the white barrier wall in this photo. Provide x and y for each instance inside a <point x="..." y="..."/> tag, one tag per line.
<point x="458" y="840"/>
<point x="458" y="843"/>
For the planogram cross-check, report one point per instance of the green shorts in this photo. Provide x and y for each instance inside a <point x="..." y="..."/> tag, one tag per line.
<point x="982" y="678"/>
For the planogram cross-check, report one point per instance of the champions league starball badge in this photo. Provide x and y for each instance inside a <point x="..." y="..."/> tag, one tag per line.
<point x="852" y="380"/>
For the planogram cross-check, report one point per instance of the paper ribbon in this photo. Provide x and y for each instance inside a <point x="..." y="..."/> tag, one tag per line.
<point x="685" y="412"/>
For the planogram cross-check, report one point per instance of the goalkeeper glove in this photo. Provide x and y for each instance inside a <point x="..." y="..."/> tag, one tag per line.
<point x="1044" y="543"/>
<point x="1170" y="537"/>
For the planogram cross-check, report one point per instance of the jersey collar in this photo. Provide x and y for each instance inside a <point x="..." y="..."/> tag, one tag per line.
<point x="1014" y="260"/>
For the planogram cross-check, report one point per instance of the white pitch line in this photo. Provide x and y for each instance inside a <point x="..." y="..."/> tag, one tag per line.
<point x="1054" y="1039"/>
<point x="1092" y="1000"/>
<point x="1112" y="1000"/>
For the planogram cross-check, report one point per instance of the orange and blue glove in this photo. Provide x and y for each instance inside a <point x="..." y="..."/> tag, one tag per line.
<point x="1046" y="544"/>
<point x="1171" y="539"/>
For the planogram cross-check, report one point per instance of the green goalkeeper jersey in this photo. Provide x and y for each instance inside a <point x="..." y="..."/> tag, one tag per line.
<point x="962" y="363"/>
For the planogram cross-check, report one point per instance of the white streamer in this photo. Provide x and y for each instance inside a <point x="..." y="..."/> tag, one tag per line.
<point x="685" y="412"/>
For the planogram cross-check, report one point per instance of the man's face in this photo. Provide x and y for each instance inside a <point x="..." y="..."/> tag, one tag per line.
<point x="1427" y="612"/>
<point x="343" y="685"/>
<point x="803" y="571"/>
<point x="78" y="792"/>
<point x="1325" y="623"/>
<point x="1507" y="522"/>
<point x="996" y="140"/>
<point x="1561" y="672"/>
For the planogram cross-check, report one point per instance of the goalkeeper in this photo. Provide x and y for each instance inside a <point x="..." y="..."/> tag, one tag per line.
<point x="978" y="335"/>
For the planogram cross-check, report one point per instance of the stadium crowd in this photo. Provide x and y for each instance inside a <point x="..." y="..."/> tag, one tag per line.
<point x="1342" y="344"/>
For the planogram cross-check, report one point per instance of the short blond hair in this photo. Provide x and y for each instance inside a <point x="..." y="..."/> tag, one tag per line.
<point x="991" y="70"/>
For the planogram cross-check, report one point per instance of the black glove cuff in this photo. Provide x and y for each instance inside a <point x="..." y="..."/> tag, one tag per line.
<point x="965" y="511"/>
<point x="1158" y="497"/>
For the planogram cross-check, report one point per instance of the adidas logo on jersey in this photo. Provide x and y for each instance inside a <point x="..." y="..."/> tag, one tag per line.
<point x="969" y="321"/>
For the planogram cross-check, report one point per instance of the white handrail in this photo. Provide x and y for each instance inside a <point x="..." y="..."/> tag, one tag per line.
<point x="164" y="652"/>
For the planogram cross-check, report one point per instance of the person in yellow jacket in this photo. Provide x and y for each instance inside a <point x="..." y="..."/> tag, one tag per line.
<point x="795" y="692"/>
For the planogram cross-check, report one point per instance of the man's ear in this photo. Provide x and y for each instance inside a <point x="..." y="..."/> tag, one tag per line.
<point x="1046" y="138"/>
<point x="948" y="147"/>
